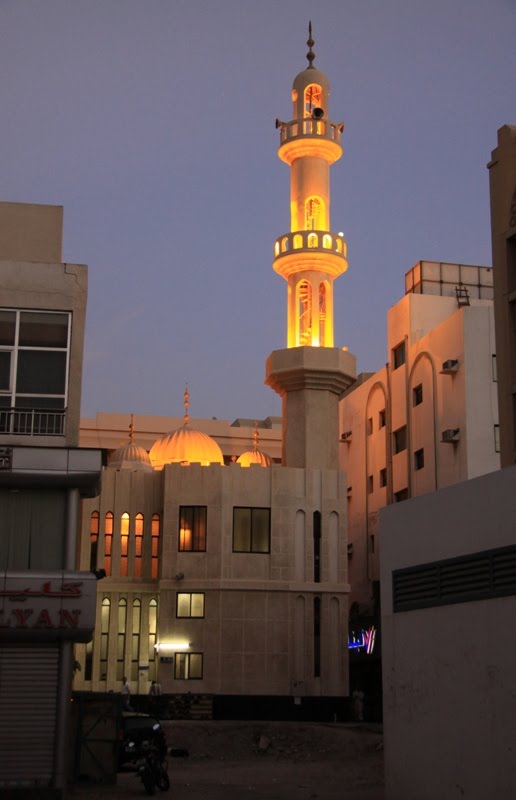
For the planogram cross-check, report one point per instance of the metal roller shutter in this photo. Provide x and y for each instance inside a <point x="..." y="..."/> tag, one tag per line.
<point x="28" y="703"/>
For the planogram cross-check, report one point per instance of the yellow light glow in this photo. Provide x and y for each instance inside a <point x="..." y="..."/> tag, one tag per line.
<point x="170" y="647"/>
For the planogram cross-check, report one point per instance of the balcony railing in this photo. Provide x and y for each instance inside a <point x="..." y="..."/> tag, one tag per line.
<point x="32" y="421"/>
<point x="310" y="240"/>
<point x="307" y="126"/>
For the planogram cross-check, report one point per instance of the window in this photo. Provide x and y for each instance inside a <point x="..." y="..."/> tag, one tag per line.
<point x="192" y="528"/>
<point x="304" y="311"/>
<point x="124" y="543"/>
<point x="417" y="395"/>
<point x="120" y="651"/>
<point x="108" y="541"/>
<point x="317" y="637"/>
<point x="398" y="355"/>
<point x="138" y="545"/>
<point x="400" y="439"/>
<point x="251" y="530"/>
<point x="497" y="438"/>
<point x="155" y="529"/>
<point x="153" y="631"/>
<point x="494" y="367"/>
<point x="190" y="604"/>
<point x="104" y="637"/>
<point x="382" y="418"/>
<point x="383" y="477"/>
<point x="370" y="484"/>
<point x="188" y="666"/>
<point x="135" y="638"/>
<point x="314" y="211"/>
<point x="94" y="538"/>
<point x="369" y="426"/>
<point x="34" y="361"/>
<point x="419" y="459"/>
<point x="401" y="495"/>
<point x="317" y="546"/>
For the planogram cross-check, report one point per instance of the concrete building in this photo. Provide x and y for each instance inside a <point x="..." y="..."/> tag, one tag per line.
<point x="45" y="603"/>
<point x="226" y="573"/>
<point x="429" y="418"/>
<point x="502" y="176"/>
<point x="448" y="577"/>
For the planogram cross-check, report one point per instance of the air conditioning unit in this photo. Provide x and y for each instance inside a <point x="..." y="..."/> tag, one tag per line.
<point x="346" y="436"/>
<point x="450" y="366"/>
<point x="450" y="435"/>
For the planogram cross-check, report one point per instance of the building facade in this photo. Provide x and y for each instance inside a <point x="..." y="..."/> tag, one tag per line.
<point x="46" y="604"/>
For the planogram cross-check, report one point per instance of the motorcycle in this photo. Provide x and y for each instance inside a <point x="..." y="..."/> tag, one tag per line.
<point x="149" y="766"/>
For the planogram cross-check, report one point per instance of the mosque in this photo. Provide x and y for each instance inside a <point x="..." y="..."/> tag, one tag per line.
<point x="226" y="573"/>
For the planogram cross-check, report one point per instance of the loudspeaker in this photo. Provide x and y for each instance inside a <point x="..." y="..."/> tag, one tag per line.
<point x="317" y="113"/>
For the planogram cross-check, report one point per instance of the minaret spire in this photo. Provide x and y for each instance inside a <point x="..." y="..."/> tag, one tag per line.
<point x="310" y="42"/>
<point x="186" y="401"/>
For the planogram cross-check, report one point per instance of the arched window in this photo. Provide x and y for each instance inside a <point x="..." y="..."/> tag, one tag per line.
<point x="313" y="98"/>
<point x="305" y="313"/>
<point x="94" y="538"/>
<point x="317" y="637"/>
<point x="313" y="240"/>
<point x="317" y="546"/>
<point x="284" y="244"/>
<point x="138" y="545"/>
<point x="298" y="241"/>
<point x="276" y="249"/>
<point x="155" y="531"/>
<point x="108" y="541"/>
<point x="322" y="315"/>
<point x="153" y="632"/>
<point x="326" y="242"/>
<point x="104" y="636"/>
<point x="135" y="638"/>
<point x="314" y="214"/>
<point x="124" y="543"/>
<point x="120" y="642"/>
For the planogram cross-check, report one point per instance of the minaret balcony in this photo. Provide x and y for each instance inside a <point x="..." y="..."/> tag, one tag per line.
<point x="300" y="251"/>
<point x="310" y="137"/>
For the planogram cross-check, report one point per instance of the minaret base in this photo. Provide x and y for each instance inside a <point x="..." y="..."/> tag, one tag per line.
<point x="310" y="381"/>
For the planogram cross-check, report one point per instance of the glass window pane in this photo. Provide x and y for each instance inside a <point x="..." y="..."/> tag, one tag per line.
<point x="42" y="372"/>
<point x="183" y="605"/>
<point x="195" y="665"/>
<point x="5" y="370"/>
<point x="197" y="605"/>
<point x="43" y="330"/>
<point x="242" y="529"/>
<point x="261" y="530"/>
<point x="7" y="327"/>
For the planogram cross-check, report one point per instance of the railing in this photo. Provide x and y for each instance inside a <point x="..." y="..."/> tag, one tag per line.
<point x="32" y="421"/>
<point x="310" y="240"/>
<point x="307" y="126"/>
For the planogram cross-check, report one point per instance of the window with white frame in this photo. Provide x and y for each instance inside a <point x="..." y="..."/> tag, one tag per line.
<point x="190" y="604"/>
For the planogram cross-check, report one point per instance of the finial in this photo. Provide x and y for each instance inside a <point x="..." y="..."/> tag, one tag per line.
<point x="131" y="429"/>
<point x="186" y="418"/>
<point x="310" y="42"/>
<point x="255" y="436"/>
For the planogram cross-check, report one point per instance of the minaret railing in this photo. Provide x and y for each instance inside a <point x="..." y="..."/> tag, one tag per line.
<point x="307" y="126"/>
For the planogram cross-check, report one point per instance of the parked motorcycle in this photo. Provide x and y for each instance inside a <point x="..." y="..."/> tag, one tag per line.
<point x="149" y="766"/>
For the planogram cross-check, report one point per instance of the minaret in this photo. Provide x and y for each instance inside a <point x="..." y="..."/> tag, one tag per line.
<point x="311" y="374"/>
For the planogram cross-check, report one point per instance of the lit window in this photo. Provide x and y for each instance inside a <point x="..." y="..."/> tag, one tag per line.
<point x="398" y="355"/>
<point x="188" y="666"/>
<point x="400" y="439"/>
<point x="104" y="636"/>
<point x="417" y="395"/>
<point x="124" y="543"/>
<point x="108" y="542"/>
<point x="419" y="459"/>
<point x="305" y="313"/>
<point x="153" y="630"/>
<point x="313" y="240"/>
<point x="251" y="530"/>
<point x="190" y="604"/>
<point x="314" y="210"/>
<point x="382" y="418"/>
<point x="383" y="477"/>
<point x="138" y="545"/>
<point x="192" y="528"/>
<point x="313" y="98"/>
<point x="94" y="538"/>
<point x="155" y="531"/>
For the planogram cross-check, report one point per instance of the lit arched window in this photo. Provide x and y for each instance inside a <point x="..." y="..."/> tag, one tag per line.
<point x="135" y="638"/>
<point x="155" y="530"/>
<point x="313" y="98"/>
<point x="284" y="244"/>
<point x="108" y="541"/>
<point x="124" y="543"/>
<point x="305" y="313"/>
<point x="322" y="315"/>
<point x="104" y="636"/>
<point x="314" y="214"/>
<point x="94" y="538"/>
<point x="120" y="642"/>
<point x="298" y="241"/>
<point x="276" y="249"/>
<point x="339" y="245"/>
<point x="138" y="545"/>
<point x="313" y="240"/>
<point x="326" y="242"/>
<point x="153" y="630"/>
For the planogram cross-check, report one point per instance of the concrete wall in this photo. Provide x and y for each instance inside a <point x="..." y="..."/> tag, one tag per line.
<point x="448" y="672"/>
<point x="30" y="232"/>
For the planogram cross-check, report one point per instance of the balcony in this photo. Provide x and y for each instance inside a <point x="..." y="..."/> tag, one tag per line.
<point x="32" y="422"/>
<point x="322" y="128"/>
<point x="308" y="250"/>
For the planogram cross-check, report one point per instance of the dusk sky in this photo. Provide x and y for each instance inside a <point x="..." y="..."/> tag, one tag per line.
<point x="152" y="123"/>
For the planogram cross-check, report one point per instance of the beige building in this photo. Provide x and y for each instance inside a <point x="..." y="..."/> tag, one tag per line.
<point x="429" y="418"/>
<point x="224" y="546"/>
<point x="46" y="604"/>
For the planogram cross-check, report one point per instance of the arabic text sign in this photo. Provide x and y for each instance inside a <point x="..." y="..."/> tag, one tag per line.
<point x="362" y="641"/>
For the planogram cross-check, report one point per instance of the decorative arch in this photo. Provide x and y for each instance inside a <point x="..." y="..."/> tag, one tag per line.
<point x="313" y="98"/>
<point x="314" y="214"/>
<point x="108" y="541"/>
<point x="155" y="534"/>
<point x="298" y="241"/>
<point x="323" y="290"/>
<point x="121" y="638"/>
<point x="135" y="637"/>
<point x="105" y="613"/>
<point x="304" y="312"/>
<point x="138" y="545"/>
<point x="124" y="543"/>
<point x="94" y="538"/>
<point x="424" y="354"/>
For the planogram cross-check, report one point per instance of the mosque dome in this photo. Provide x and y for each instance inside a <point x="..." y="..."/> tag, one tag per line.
<point x="254" y="456"/>
<point x="130" y="455"/>
<point x="185" y="446"/>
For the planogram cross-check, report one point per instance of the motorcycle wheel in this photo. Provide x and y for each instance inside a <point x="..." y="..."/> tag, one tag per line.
<point x="163" y="782"/>
<point x="148" y="782"/>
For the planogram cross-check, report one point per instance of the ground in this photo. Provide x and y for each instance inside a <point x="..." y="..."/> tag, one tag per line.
<point x="264" y="761"/>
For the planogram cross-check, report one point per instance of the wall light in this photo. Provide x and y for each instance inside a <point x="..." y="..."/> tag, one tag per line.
<point x="170" y="647"/>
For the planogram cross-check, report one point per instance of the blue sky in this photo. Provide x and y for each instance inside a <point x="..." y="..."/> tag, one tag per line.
<point x="152" y="123"/>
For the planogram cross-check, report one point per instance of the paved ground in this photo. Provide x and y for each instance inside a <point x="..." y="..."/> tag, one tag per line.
<point x="263" y="761"/>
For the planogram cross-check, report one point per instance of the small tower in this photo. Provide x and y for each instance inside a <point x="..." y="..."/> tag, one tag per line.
<point x="311" y="374"/>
